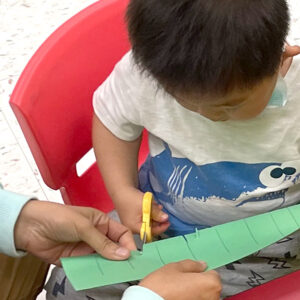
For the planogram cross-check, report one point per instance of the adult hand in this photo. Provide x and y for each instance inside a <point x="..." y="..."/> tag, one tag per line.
<point x="184" y="280"/>
<point x="51" y="231"/>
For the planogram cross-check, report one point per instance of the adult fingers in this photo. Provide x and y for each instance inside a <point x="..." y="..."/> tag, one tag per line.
<point x="212" y="281"/>
<point x="100" y="242"/>
<point x="109" y="227"/>
<point x="190" y="266"/>
<point x="212" y="274"/>
<point x="121" y="234"/>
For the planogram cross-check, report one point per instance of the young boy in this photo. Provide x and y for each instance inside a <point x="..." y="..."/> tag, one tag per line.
<point x="205" y="79"/>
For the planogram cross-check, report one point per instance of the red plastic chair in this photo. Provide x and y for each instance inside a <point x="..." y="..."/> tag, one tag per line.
<point x="284" y="288"/>
<point x="53" y="104"/>
<point x="53" y="98"/>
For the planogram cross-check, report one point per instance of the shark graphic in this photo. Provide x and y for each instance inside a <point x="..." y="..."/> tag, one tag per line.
<point x="216" y="193"/>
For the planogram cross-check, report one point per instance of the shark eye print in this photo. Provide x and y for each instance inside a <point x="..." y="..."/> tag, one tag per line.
<point x="289" y="171"/>
<point x="273" y="176"/>
<point x="278" y="172"/>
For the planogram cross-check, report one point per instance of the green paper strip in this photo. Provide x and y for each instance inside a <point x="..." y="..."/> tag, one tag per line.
<point x="217" y="246"/>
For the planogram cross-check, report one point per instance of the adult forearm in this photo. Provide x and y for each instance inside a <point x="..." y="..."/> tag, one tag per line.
<point x="11" y="205"/>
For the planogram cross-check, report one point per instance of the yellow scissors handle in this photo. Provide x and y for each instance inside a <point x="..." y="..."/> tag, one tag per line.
<point x="147" y="218"/>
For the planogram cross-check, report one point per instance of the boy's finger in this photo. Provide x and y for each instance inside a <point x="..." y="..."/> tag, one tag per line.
<point x="158" y="228"/>
<point x="157" y="213"/>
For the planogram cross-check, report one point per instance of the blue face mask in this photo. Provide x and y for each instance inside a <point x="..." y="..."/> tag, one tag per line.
<point x="279" y="96"/>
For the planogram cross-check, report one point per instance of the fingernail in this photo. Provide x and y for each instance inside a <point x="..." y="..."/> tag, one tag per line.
<point x="122" y="252"/>
<point x="203" y="263"/>
<point x="164" y="216"/>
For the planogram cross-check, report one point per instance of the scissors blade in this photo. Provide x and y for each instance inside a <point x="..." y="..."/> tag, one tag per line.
<point x="143" y="242"/>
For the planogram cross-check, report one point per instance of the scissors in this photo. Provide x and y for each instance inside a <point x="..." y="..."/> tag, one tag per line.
<point x="145" y="232"/>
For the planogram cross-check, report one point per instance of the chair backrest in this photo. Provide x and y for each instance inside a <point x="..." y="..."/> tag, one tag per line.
<point x="53" y="98"/>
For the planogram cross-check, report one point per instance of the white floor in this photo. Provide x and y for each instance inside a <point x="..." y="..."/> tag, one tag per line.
<point x="24" y="25"/>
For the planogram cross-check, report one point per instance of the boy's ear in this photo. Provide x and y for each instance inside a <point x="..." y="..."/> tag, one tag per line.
<point x="291" y="51"/>
<point x="287" y="58"/>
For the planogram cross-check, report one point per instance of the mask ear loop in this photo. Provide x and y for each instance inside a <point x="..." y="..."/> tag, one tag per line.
<point x="279" y="96"/>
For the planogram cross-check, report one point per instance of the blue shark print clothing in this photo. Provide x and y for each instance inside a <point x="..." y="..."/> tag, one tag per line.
<point x="206" y="173"/>
<point x="215" y="193"/>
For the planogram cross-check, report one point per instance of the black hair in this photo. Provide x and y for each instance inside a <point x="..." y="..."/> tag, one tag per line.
<point x="208" y="46"/>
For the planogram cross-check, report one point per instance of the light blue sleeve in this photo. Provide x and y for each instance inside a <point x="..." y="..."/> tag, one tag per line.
<point x="137" y="292"/>
<point x="11" y="205"/>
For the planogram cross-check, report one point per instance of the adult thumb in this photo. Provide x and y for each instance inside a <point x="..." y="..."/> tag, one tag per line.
<point x="103" y="245"/>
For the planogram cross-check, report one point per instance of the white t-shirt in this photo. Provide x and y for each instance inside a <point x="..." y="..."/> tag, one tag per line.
<point x="204" y="172"/>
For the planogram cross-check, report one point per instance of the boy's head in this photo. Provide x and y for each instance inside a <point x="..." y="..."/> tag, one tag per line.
<point x="217" y="57"/>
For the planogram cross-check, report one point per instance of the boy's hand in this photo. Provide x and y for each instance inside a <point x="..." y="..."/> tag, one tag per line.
<point x="287" y="58"/>
<point x="184" y="280"/>
<point x="130" y="210"/>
